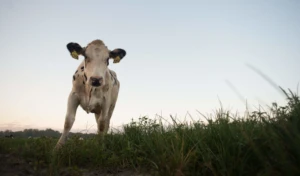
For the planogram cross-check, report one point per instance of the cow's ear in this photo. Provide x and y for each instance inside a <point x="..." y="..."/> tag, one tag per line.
<point x="75" y="49"/>
<point x="117" y="54"/>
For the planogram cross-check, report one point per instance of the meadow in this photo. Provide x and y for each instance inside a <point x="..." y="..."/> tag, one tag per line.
<point x="259" y="143"/>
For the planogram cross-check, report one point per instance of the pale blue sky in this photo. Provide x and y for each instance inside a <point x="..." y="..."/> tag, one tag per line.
<point x="179" y="56"/>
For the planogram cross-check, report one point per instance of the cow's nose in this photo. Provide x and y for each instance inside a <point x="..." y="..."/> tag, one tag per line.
<point x="96" y="81"/>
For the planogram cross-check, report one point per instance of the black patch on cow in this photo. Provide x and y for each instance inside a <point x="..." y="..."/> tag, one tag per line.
<point x="83" y="83"/>
<point x="85" y="76"/>
<point x="73" y="77"/>
<point x="82" y="68"/>
<point x="113" y="78"/>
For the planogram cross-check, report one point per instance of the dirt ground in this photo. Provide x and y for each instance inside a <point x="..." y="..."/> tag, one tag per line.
<point x="11" y="165"/>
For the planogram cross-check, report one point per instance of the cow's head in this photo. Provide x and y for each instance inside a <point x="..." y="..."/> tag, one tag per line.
<point x="96" y="60"/>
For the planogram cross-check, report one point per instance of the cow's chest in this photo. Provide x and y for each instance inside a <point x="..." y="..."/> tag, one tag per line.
<point x="93" y="104"/>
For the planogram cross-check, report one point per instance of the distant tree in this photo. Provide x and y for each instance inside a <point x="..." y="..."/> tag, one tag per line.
<point x="39" y="133"/>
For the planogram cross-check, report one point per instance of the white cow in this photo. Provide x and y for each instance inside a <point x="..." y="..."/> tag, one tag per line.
<point x="95" y="86"/>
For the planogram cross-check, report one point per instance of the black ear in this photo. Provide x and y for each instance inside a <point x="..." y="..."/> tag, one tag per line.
<point x="117" y="54"/>
<point x="75" y="49"/>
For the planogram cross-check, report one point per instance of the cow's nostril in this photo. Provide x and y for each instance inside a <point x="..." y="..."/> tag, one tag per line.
<point x="96" y="84"/>
<point x="93" y="79"/>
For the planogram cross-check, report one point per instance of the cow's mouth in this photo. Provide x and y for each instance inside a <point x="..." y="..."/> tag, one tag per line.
<point x="96" y="84"/>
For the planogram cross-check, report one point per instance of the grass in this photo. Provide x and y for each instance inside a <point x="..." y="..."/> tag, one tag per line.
<point x="259" y="144"/>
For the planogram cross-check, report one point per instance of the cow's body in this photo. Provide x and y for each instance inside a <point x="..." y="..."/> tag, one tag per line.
<point x="95" y="87"/>
<point x="92" y="99"/>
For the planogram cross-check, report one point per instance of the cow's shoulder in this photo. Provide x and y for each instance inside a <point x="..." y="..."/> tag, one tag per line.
<point x="114" y="77"/>
<point x="79" y="79"/>
<point x="113" y="73"/>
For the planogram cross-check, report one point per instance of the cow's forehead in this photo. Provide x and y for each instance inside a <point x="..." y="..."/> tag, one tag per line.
<point x="96" y="42"/>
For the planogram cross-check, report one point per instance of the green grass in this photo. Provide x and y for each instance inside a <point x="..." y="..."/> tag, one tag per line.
<point x="259" y="144"/>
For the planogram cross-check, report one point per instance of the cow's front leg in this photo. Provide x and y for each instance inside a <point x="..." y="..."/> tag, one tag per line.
<point x="73" y="103"/>
<point x="101" y="122"/>
<point x="108" y="117"/>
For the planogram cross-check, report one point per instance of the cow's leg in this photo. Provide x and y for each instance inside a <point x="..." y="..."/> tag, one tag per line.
<point x="100" y="125"/>
<point x="73" y="103"/>
<point x="108" y="117"/>
<point x="100" y="119"/>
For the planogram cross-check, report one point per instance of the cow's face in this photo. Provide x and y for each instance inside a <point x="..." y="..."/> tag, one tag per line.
<point x="96" y="60"/>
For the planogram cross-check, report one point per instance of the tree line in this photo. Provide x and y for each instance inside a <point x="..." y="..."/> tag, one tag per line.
<point x="39" y="133"/>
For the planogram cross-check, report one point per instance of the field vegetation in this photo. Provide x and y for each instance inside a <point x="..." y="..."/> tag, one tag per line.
<point x="259" y="143"/>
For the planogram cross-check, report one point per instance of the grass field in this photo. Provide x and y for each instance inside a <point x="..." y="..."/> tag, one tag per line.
<point x="261" y="143"/>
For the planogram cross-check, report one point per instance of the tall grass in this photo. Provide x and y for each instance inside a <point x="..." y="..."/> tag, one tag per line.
<point x="262" y="143"/>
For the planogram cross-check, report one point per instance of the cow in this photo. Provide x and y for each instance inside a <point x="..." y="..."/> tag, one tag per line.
<point x="95" y="86"/>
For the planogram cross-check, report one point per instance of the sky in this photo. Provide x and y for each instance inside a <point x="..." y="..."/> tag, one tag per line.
<point x="183" y="57"/>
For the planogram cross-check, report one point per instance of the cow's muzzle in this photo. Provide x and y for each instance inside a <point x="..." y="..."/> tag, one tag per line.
<point x="96" y="81"/>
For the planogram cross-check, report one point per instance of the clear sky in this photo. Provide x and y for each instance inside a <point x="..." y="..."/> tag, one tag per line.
<point x="179" y="56"/>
